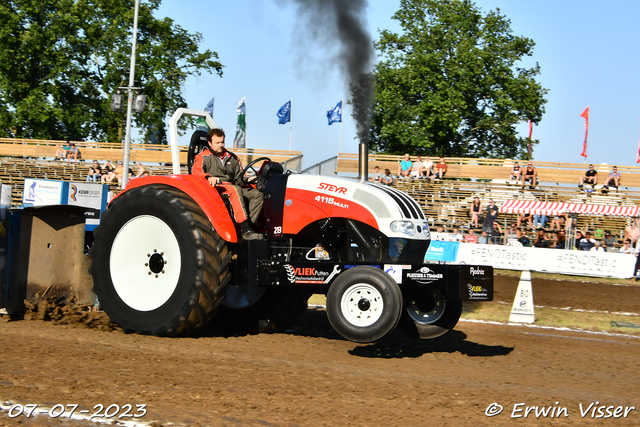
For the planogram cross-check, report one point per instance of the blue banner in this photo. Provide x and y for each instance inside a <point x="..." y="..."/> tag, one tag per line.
<point x="442" y="251"/>
<point x="335" y="114"/>
<point x="284" y="113"/>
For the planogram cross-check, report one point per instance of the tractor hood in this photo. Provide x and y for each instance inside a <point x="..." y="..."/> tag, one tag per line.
<point x="312" y="197"/>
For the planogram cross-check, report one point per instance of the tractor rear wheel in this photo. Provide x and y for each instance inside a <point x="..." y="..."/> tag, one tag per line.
<point x="364" y="304"/>
<point x="428" y="315"/>
<point x="158" y="266"/>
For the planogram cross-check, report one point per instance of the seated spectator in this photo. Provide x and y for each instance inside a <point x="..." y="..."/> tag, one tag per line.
<point x="377" y="175"/>
<point x="525" y="217"/>
<point x="557" y="222"/>
<point x="530" y="174"/>
<point x="590" y="177"/>
<point x="139" y="170"/>
<point x="474" y="212"/>
<point x="387" y="179"/>
<point x="596" y="247"/>
<point x="455" y="236"/>
<point x="108" y="172"/>
<point x="626" y="247"/>
<point x="73" y="153"/>
<point x="440" y="169"/>
<point x="496" y="234"/>
<point x="427" y="170"/>
<point x="417" y="168"/>
<point x="61" y="153"/>
<point x="559" y="240"/>
<point x="541" y="240"/>
<point x="405" y="167"/>
<point x="609" y="242"/>
<point x="516" y="172"/>
<point x="539" y="220"/>
<point x="483" y="238"/>
<point x="95" y="172"/>
<point x="587" y="242"/>
<point x="613" y="180"/>
<point x="471" y="236"/>
<point x="513" y="233"/>
<point x="118" y="171"/>
<point x="439" y="235"/>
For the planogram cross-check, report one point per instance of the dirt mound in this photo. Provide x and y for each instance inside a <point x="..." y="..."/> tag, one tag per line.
<point x="67" y="311"/>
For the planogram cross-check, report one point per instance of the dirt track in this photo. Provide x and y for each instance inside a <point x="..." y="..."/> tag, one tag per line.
<point x="309" y="376"/>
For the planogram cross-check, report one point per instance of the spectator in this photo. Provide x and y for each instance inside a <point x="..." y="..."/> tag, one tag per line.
<point x="118" y="172"/>
<point x="632" y="231"/>
<point x="455" y="236"/>
<point x="513" y="233"/>
<point x="613" y="180"/>
<point x="404" y="169"/>
<point x="626" y="247"/>
<point x="483" y="238"/>
<point x="609" y="241"/>
<point x="496" y="234"/>
<point x="541" y="240"/>
<point x="439" y="235"/>
<point x="108" y="172"/>
<point x="635" y="268"/>
<point x="416" y="168"/>
<point x="387" y="179"/>
<point x="471" y="236"/>
<point x="377" y="175"/>
<point x="587" y="242"/>
<point x="525" y="217"/>
<point x="61" y="153"/>
<point x="559" y="240"/>
<point x="516" y="172"/>
<point x="440" y="169"/>
<point x="73" y="153"/>
<point x="539" y="220"/>
<point x="557" y="222"/>
<point x="590" y="177"/>
<point x="530" y="174"/>
<point x="490" y="217"/>
<point x="95" y="172"/>
<point x="427" y="170"/>
<point x="475" y="211"/>
<point x="140" y="170"/>
<point x="579" y="237"/>
<point x="596" y="247"/>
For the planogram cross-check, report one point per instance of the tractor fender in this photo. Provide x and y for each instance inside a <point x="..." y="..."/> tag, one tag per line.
<point x="201" y="192"/>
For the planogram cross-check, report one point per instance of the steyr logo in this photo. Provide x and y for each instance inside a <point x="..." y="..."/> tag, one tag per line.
<point x="333" y="188"/>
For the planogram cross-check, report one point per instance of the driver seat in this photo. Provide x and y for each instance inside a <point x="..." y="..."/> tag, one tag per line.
<point x="196" y="145"/>
<point x="267" y="170"/>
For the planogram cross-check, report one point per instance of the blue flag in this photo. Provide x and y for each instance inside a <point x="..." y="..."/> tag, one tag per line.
<point x="335" y="114"/>
<point x="284" y="113"/>
<point x="209" y="107"/>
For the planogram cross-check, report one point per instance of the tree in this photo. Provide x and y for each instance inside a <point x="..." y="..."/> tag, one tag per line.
<point x="449" y="85"/>
<point x="60" y="61"/>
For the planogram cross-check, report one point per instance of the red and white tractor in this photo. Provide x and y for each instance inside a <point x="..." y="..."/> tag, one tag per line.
<point x="168" y="256"/>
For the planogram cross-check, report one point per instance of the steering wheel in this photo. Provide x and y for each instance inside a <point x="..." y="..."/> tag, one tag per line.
<point x="249" y="167"/>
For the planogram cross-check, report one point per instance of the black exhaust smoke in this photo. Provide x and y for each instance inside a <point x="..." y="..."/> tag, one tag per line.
<point x="342" y="22"/>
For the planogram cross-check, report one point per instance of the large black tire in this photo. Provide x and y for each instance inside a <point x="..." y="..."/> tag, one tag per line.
<point x="158" y="265"/>
<point x="364" y="304"/>
<point x="427" y="315"/>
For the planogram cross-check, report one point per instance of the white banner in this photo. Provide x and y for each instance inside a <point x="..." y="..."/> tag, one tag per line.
<point x="581" y="263"/>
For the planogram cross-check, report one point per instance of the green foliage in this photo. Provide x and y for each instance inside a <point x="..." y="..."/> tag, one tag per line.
<point x="60" y="61"/>
<point x="449" y="85"/>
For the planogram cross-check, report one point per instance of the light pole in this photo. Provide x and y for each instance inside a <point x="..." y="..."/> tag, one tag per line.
<point x="130" y="88"/>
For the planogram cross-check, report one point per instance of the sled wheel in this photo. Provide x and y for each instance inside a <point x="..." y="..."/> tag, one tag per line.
<point x="428" y="315"/>
<point x="158" y="266"/>
<point x="364" y="304"/>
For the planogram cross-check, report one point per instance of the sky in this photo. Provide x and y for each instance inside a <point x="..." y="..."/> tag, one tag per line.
<point x="588" y="53"/>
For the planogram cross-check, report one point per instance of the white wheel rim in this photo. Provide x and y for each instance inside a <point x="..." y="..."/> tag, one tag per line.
<point x="362" y="305"/>
<point x="431" y="316"/>
<point x="135" y="275"/>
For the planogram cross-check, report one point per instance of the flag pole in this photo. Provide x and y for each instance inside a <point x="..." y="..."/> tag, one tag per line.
<point x="341" y="123"/>
<point x="290" y="120"/>
<point x="246" y="140"/>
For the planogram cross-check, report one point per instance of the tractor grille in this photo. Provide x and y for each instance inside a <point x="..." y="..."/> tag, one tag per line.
<point x="409" y="207"/>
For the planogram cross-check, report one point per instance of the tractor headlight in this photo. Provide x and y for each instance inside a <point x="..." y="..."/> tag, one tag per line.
<point x="404" y="227"/>
<point x="425" y="229"/>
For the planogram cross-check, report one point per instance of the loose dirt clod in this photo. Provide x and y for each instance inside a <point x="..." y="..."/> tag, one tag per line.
<point x="67" y="311"/>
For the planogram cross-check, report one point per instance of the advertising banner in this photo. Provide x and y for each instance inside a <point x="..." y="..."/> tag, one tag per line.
<point x="442" y="251"/>
<point x="42" y="192"/>
<point x="581" y="263"/>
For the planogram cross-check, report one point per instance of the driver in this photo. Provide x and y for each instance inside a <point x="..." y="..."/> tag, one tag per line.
<point x="217" y="165"/>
